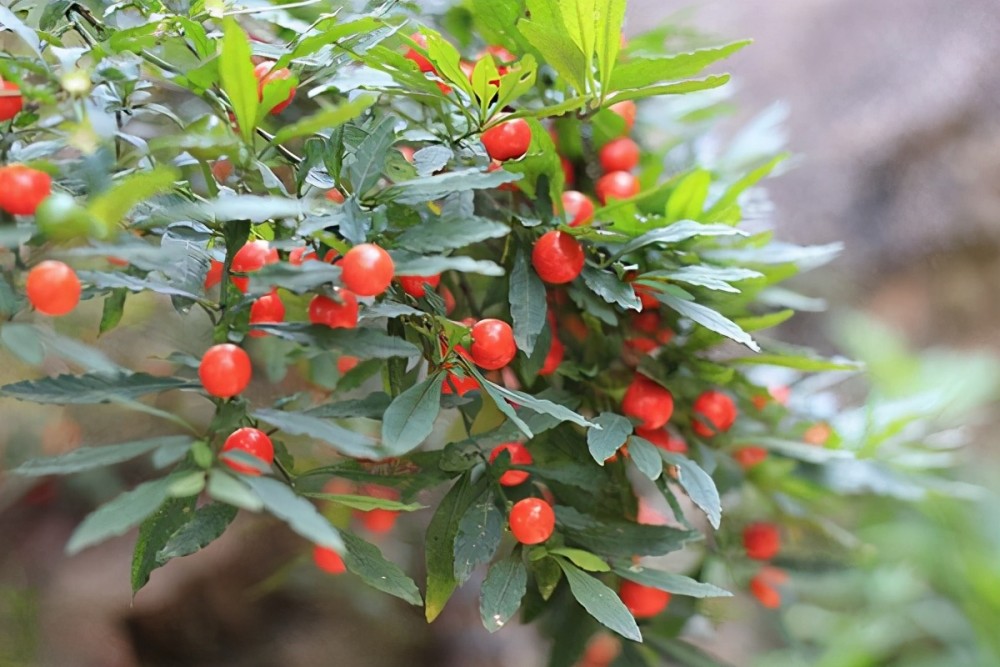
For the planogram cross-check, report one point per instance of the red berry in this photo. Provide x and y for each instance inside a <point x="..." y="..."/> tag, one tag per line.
<point x="10" y="105"/>
<point x="346" y="363"/>
<point x="335" y="195"/>
<point x="817" y="434"/>
<point x="616" y="185"/>
<point x="251" y="257"/>
<point x="716" y="413"/>
<point x="225" y="370"/>
<point x="762" y="541"/>
<point x="663" y="439"/>
<point x="579" y="209"/>
<point x="53" y="288"/>
<point x="620" y="154"/>
<point x="519" y="455"/>
<point x="627" y="111"/>
<point x="342" y="314"/>
<point x="557" y="257"/>
<point x="268" y="309"/>
<point x="649" y="402"/>
<point x="22" y="189"/>
<point x="532" y="521"/>
<point x="569" y="173"/>
<point x="453" y="384"/>
<point x="493" y="344"/>
<point x="265" y="75"/>
<point x="748" y="457"/>
<point x="328" y="560"/>
<point x="253" y="442"/>
<point x="416" y="286"/>
<point x="554" y="357"/>
<point x="417" y="57"/>
<point x="507" y="141"/>
<point x="449" y="300"/>
<point x="407" y="152"/>
<point x="214" y="275"/>
<point x="643" y="601"/>
<point x="367" y="269"/>
<point x="765" y="594"/>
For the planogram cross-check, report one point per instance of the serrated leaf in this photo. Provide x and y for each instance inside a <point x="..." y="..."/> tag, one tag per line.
<point x="325" y="120"/>
<point x="362" y="342"/>
<point x="439" y="549"/>
<point x="93" y="388"/>
<point x="608" y="286"/>
<point x="118" y="516"/>
<point x="237" y="77"/>
<point x="154" y="533"/>
<point x="206" y="526"/>
<point x="428" y="265"/>
<point x="670" y="582"/>
<point x="528" y="307"/>
<point x="502" y="592"/>
<point x="372" y="406"/>
<point x="369" y="158"/>
<point x="582" y="559"/>
<point x="366" y="561"/>
<point x="698" y="484"/>
<point x="603" y="443"/>
<point x="300" y="514"/>
<point x="618" y="538"/>
<point x="89" y="458"/>
<point x="410" y="417"/>
<point x="431" y="158"/>
<point x="479" y="532"/>
<point x="600" y="602"/>
<point x="645" y="456"/>
<point x="344" y="440"/>
<point x="429" y="188"/>
<point x="450" y="232"/>
<point x="708" y="318"/>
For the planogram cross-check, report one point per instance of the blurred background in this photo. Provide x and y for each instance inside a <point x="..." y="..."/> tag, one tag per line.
<point x="893" y="111"/>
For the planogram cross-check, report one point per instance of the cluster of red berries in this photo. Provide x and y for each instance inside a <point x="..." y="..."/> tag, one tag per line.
<point x="762" y="541"/>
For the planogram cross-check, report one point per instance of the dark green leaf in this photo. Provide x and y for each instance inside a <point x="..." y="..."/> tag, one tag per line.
<point x="300" y="423"/>
<point x="677" y="584"/>
<point x="479" y="532"/>
<point x="698" y="484"/>
<point x="369" y="158"/>
<point x="411" y="415"/>
<point x="93" y="388"/>
<point x="207" y="525"/>
<point x="502" y="591"/>
<point x="119" y="515"/>
<point x="622" y="539"/>
<point x="604" y="442"/>
<point x="541" y="405"/>
<point x="372" y="406"/>
<point x="154" y="533"/>
<point x="645" y="457"/>
<point x="300" y="514"/>
<point x="440" y="544"/>
<point x="582" y="559"/>
<point x="527" y="303"/>
<point x="607" y="286"/>
<point x="366" y="561"/>
<point x="708" y="318"/>
<point x="238" y="80"/>
<point x="362" y="342"/>
<point x="429" y="188"/>
<point x="88" y="458"/>
<point x="114" y="308"/>
<point x="600" y="602"/>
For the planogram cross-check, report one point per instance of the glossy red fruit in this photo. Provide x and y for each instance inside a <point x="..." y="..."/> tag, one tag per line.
<point x="420" y="59"/>
<point x="493" y="344"/>
<point x="367" y="269"/>
<point x="214" y="275"/>
<point x="268" y="309"/>
<point x="648" y="401"/>
<point x="748" y="457"/>
<point x="328" y="560"/>
<point x="557" y="257"/>
<point x="253" y="442"/>
<point x="10" y="104"/>
<point x="225" y="370"/>
<point x="22" y="189"/>
<point x="532" y="521"/>
<point x="53" y="288"/>
<point x="663" y="439"/>
<point x="616" y="185"/>
<point x="762" y="541"/>
<point x="627" y="111"/>
<point x="620" y="154"/>
<point x="768" y="596"/>
<point x="508" y="140"/>
<point x="519" y="455"/>
<point x="334" y="195"/>
<point x="643" y="601"/>
<point x="715" y="412"/>
<point x="249" y="258"/>
<point x="554" y="357"/>
<point x="346" y="363"/>
<point x="578" y="207"/>
<point x="265" y="75"/>
<point x="339" y="314"/>
<point x="416" y="286"/>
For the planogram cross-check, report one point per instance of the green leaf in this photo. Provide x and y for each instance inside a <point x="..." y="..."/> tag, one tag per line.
<point x="226" y="488"/>
<point x="688" y="198"/>
<point x="430" y="159"/>
<point x="642" y="72"/>
<point x="300" y="514"/>
<point x="603" y="443"/>
<point x="447" y="61"/>
<point x="547" y="576"/>
<point x="366" y="561"/>
<point x="548" y="34"/>
<point x="370" y="156"/>
<point x="411" y="416"/>
<point x="618" y="538"/>
<point x="608" y="39"/>
<point x="89" y="458"/>
<point x="20" y="337"/>
<point x="689" y="655"/>
<point x="93" y="388"/>
<point x="527" y="303"/>
<point x="22" y="340"/>
<point x="372" y="406"/>
<point x="500" y="401"/>
<point x="252" y="208"/>
<point x="502" y="592"/>
<point x="362" y="342"/>
<point x="708" y="318"/>
<point x="732" y="193"/>
<point x="645" y="456"/>
<point x="207" y="525"/>
<point x="298" y="279"/>
<point x="439" y="546"/>
<point x="117" y="280"/>
<point x="325" y="120"/>
<point x="236" y="74"/>
<point x="10" y="21"/>
<point x="607" y="285"/>
<point x="428" y="265"/>
<point x="677" y="584"/>
<point x="706" y="275"/>
<point x="676" y="232"/>
<point x="154" y="533"/>
<point x="698" y="484"/>
<point x="479" y="532"/>
<point x="300" y="423"/>
<point x="600" y="601"/>
<point x="114" y="308"/>
<point x="540" y="405"/>
<point x="456" y="227"/>
<point x="804" y="361"/>
<point x="682" y="88"/>
<point x="365" y="503"/>
<point x="111" y="206"/>
<point x="582" y="559"/>
<point x="119" y="515"/>
<point x="429" y="188"/>
<point x="800" y="450"/>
